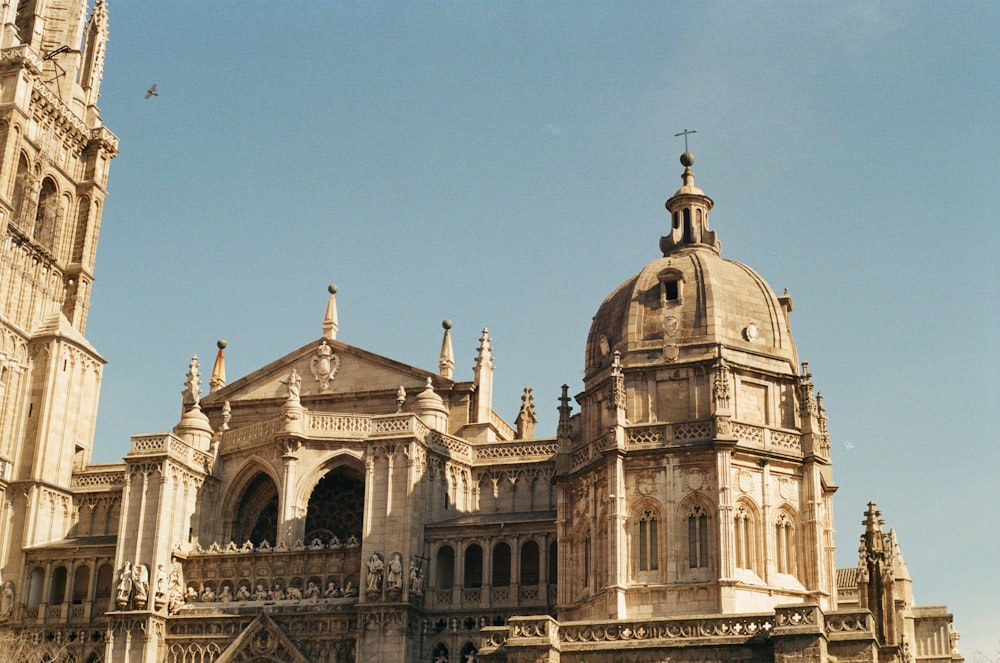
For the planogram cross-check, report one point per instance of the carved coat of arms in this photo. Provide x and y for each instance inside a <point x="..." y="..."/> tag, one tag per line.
<point x="325" y="364"/>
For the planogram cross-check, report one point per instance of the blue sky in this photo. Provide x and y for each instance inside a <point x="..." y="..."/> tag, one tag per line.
<point x="505" y="165"/>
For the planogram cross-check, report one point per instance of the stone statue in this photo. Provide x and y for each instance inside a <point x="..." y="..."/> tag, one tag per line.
<point x="207" y="594"/>
<point x="294" y="594"/>
<point x="140" y="584"/>
<point x="416" y="581"/>
<point x="277" y="593"/>
<point x="226" y="595"/>
<point x="394" y="575"/>
<point x="160" y="587"/>
<point x="6" y="601"/>
<point x="375" y="569"/>
<point x="312" y="592"/>
<point x="331" y="591"/>
<point x="294" y="386"/>
<point x="243" y="593"/>
<point x="124" y="588"/>
<point x="260" y="594"/>
<point x="349" y="589"/>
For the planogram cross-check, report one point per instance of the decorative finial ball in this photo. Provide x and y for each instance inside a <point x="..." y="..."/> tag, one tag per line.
<point x="332" y="288"/>
<point x="687" y="159"/>
<point x="221" y="344"/>
<point x="446" y="324"/>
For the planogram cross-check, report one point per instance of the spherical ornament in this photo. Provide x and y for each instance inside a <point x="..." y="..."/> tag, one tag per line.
<point x="446" y="324"/>
<point x="332" y="288"/>
<point x="687" y="159"/>
<point x="221" y="344"/>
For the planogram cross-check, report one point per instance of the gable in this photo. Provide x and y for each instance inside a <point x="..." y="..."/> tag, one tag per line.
<point x="262" y="640"/>
<point x="326" y="368"/>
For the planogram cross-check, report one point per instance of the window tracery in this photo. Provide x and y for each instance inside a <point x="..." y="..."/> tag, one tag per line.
<point x="336" y="507"/>
<point x="697" y="522"/>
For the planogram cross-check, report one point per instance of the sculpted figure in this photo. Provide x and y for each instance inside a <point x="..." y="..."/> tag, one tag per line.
<point x="294" y="385"/>
<point x="6" y="601"/>
<point x="375" y="568"/>
<point x="331" y="591"/>
<point x="243" y="593"/>
<point x="350" y="589"/>
<point x="226" y="595"/>
<point x="140" y="584"/>
<point x="312" y="592"/>
<point x="124" y="589"/>
<point x="416" y="581"/>
<point x="277" y="593"/>
<point x="191" y="595"/>
<point x="394" y="576"/>
<point x="208" y="594"/>
<point x="294" y="594"/>
<point x="260" y="594"/>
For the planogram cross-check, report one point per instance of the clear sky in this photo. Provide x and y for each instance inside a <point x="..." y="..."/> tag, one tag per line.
<point x="505" y="165"/>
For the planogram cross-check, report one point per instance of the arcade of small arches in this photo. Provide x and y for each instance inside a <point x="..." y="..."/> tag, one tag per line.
<point x="58" y="584"/>
<point x="530" y="562"/>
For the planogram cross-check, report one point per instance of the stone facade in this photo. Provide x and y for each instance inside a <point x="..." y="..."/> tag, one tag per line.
<point x="336" y="505"/>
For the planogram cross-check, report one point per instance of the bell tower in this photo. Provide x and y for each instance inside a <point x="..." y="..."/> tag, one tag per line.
<point x="54" y="158"/>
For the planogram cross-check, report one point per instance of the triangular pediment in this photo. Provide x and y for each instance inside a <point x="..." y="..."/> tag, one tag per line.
<point x="327" y="368"/>
<point x="262" y="640"/>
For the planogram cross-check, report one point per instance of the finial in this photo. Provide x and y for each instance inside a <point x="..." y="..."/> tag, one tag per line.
<point x="218" y="378"/>
<point x="401" y="398"/>
<point x="526" y="418"/>
<point x="446" y="359"/>
<point x="192" y="386"/>
<point x="330" y="323"/>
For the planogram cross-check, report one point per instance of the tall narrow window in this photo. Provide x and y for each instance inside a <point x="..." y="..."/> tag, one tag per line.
<point x="697" y="538"/>
<point x="785" y="544"/>
<point x="648" y="553"/>
<point x="473" y="567"/>
<point x="671" y="291"/>
<point x="745" y="544"/>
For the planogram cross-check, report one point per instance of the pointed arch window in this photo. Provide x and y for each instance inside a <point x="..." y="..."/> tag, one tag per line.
<point x="697" y="523"/>
<point x="743" y="522"/>
<point x="648" y="541"/>
<point x="784" y="539"/>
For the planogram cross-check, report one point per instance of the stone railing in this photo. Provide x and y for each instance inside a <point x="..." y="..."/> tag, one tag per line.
<point x="157" y="443"/>
<point x="848" y="624"/>
<point x="735" y="626"/>
<point x="757" y="437"/>
<point x="167" y="444"/>
<point x="516" y="450"/>
<point x="100" y="476"/>
<point x="454" y="446"/>
<point x="245" y="436"/>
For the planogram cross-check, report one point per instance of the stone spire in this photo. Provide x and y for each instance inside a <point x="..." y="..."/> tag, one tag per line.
<point x="446" y="360"/>
<point x="191" y="395"/>
<point x="218" y="379"/>
<point x="483" y="379"/>
<point x="193" y="426"/>
<point x="330" y="323"/>
<point x="526" y="418"/>
<point x="689" y="207"/>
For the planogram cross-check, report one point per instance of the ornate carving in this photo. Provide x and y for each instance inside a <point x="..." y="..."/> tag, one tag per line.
<point x="324" y="365"/>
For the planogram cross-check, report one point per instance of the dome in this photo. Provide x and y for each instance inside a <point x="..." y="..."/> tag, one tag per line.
<point x="691" y="303"/>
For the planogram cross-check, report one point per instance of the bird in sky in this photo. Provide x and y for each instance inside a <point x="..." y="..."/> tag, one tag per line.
<point x="151" y="92"/>
<point x="848" y="445"/>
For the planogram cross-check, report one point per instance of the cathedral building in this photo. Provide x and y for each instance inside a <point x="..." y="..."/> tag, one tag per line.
<point x="339" y="506"/>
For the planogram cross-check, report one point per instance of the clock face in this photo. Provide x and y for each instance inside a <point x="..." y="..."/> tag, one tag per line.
<point x="750" y="332"/>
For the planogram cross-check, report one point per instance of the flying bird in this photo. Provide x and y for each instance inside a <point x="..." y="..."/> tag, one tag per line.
<point x="848" y="445"/>
<point x="151" y="92"/>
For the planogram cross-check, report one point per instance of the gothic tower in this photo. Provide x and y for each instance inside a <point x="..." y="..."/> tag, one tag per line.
<point x="698" y="477"/>
<point x="54" y="157"/>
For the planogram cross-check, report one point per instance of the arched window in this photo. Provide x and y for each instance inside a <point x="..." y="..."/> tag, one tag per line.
<point x="647" y="541"/>
<point x="501" y="565"/>
<point x="468" y="652"/>
<point x="746" y="540"/>
<point x="36" y="583"/>
<point x="440" y="653"/>
<point x="23" y="209"/>
<point x="697" y="525"/>
<point x="257" y="512"/>
<point x="80" y="234"/>
<point x="529" y="563"/>
<point x="105" y="579"/>
<point x="48" y="217"/>
<point x="336" y="506"/>
<point x="81" y="584"/>
<point x="473" y="567"/>
<point x="444" y="568"/>
<point x="57" y="590"/>
<point x="784" y="540"/>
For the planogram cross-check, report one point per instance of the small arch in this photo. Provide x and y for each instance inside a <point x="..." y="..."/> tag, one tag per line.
<point x="440" y="653"/>
<point x="57" y="589"/>
<point x="530" y="571"/>
<point x="553" y="565"/>
<point x="646" y="529"/>
<point x="473" y="566"/>
<point x="80" y="233"/>
<point x="696" y="514"/>
<point x="81" y="584"/>
<point x="36" y="583"/>
<point x="444" y="567"/>
<point x="256" y="512"/>
<point x="500" y="576"/>
<point x="105" y="581"/>
<point x="48" y="216"/>
<point x="785" y="545"/>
